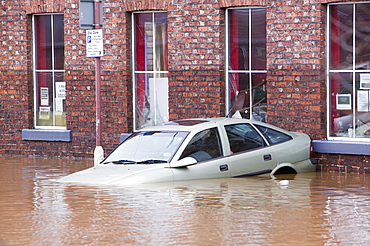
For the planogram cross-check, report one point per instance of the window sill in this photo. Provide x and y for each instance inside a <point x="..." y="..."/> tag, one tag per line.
<point x="47" y="135"/>
<point x="341" y="147"/>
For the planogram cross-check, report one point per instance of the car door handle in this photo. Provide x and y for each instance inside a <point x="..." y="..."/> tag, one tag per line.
<point x="224" y="168"/>
<point x="267" y="157"/>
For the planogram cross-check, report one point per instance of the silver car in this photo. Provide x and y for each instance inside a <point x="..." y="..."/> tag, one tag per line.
<point x="201" y="149"/>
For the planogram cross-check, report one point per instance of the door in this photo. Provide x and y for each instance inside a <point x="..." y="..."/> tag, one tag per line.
<point x="249" y="152"/>
<point x="205" y="147"/>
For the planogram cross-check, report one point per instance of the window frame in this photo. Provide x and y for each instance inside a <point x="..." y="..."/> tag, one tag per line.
<point x="154" y="72"/>
<point x="53" y="71"/>
<point x="251" y="72"/>
<point x="353" y="73"/>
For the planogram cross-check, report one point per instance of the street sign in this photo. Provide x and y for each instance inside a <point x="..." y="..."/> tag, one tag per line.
<point x="94" y="43"/>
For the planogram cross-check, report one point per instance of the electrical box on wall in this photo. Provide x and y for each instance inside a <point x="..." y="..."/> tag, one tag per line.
<point x="87" y="14"/>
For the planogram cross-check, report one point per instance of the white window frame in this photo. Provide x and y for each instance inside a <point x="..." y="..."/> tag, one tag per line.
<point x="155" y="73"/>
<point x="34" y="71"/>
<point x="249" y="71"/>
<point x="329" y="71"/>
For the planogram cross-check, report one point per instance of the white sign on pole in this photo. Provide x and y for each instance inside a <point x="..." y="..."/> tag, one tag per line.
<point x="94" y="43"/>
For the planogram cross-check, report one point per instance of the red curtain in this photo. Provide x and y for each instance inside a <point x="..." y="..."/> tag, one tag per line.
<point x="334" y="63"/>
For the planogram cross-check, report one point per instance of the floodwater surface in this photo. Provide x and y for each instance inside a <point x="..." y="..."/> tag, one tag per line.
<point x="313" y="209"/>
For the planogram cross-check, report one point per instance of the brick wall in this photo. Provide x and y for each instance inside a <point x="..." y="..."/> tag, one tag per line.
<point x="116" y="89"/>
<point x="196" y="62"/>
<point x="196" y="46"/>
<point x="15" y="110"/>
<point x="16" y="85"/>
<point x="296" y="66"/>
<point x="196" y="43"/>
<point x="343" y="163"/>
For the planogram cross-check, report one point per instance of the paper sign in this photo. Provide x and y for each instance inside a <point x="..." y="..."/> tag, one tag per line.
<point x="344" y="101"/>
<point x="60" y="90"/>
<point x="94" y="43"/>
<point x="44" y="113"/>
<point x="44" y="96"/>
<point x="364" y="81"/>
<point x="362" y="101"/>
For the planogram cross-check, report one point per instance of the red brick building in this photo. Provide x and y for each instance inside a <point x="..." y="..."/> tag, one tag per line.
<point x="301" y="65"/>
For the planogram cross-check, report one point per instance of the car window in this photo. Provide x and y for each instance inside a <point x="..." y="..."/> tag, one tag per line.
<point x="141" y="146"/>
<point x="243" y="137"/>
<point x="273" y="136"/>
<point x="204" y="145"/>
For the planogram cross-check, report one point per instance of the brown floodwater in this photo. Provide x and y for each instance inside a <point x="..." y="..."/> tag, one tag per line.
<point x="313" y="209"/>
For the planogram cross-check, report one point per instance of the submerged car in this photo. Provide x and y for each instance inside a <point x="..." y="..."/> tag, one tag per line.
<point x="201" y="149"/>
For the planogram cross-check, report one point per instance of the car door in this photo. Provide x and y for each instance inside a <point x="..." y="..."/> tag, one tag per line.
<point x="288" y="150"/>
<point x="250" y="154"/>
<point x="205" y="147"/>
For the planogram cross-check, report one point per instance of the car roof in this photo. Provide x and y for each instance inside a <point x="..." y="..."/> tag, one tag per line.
<point x="197" y="124"/>
<point x="193" y="124"/>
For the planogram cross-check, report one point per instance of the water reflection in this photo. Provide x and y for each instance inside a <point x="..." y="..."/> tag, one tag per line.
<point x="313" y="209"/>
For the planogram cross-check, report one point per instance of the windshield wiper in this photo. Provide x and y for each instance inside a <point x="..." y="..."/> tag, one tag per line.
<point x="151" y="161"/>
<point x="121" y="162"/>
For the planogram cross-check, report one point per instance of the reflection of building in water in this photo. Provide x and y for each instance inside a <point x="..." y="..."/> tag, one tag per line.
<point x="345" y="213"/>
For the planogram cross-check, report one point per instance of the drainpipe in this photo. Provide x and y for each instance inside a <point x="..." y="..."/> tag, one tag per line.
<point x="98" y="152"/>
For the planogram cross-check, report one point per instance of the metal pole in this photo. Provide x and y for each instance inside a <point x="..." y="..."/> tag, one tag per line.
<point x="98" y="152"/>
<point x="98" y="101"/>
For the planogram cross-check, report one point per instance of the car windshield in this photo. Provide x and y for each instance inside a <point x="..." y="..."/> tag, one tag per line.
<point x="147" y="147"/>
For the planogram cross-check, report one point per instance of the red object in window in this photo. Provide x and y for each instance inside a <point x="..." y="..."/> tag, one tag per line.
<point x="151" y="52"/>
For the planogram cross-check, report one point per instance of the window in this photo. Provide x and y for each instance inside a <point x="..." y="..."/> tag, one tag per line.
<point x="150" y="68"/>
<point x="205" y="145"/>
<point x="349" y="71"/>
<point x="246" y="63"/>
<point x="243" y="137"/>
<point x="48" y="72"/>
<point x="273" y="136"/>
<point x="150" y="146"/>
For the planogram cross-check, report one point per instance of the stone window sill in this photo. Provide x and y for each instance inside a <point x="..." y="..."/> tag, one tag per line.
<point x="47" y="135"/>
<point x="341" y="147"/>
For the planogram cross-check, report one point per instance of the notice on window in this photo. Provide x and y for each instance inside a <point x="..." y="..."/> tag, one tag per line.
<point x="94" y="43"/>
<point x="364" y="81"/>
<point x="60" y="90"/>
<point x="44" y="113"/>
<point x="344" y="101"/>
<point x="58" y="106"/>
<point x="44" y="96"/>
<point x="363" y="100"/>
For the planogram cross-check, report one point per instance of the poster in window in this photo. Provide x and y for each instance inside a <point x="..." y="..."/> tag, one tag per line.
<point x="44" y="113"/>
<point x="44" y="95"/>
<point x="58" y="106"/>
<point x="344" y="102"/>
<point x="363" y="101"/>
<point x="60" y="88"/>
<point x="364" y="81"/>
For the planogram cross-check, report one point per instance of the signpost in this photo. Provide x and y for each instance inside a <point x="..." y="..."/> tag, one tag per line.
<point x="94" y="48"/>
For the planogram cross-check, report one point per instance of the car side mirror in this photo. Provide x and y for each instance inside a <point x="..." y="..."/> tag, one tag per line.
<point x="184" y="162"/>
